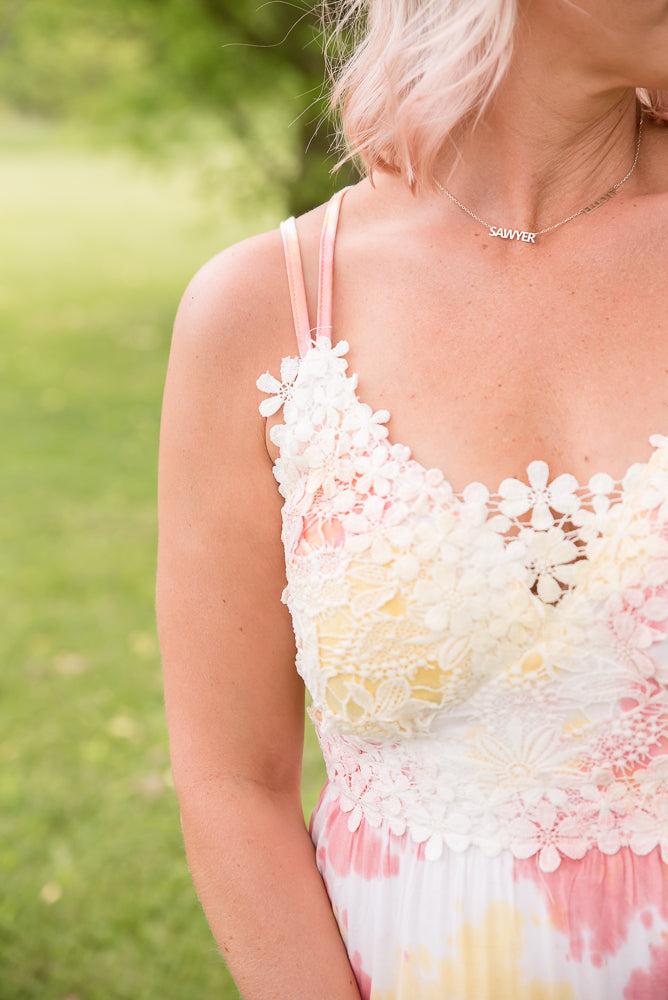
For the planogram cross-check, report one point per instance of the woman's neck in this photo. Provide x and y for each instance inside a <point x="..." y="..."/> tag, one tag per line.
<point x="555" y="137"/>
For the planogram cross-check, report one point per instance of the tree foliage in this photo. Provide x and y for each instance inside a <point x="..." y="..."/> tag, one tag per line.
<point x="153" y="70"/>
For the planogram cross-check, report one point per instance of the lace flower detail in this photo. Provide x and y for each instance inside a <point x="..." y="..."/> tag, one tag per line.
<point x="417" y="486"/>
<point x="328" y="462"/>
<point x="633" y="619"/>
<point x="538" y="497"/>
<point x="547" y="833"/>
<point x="655" y="495"/>
<point x="365" y="426"/>
<point x="607" y="806"/>
<point x="522" y="758"/>
<point x="474" y="507"/>
<point x="550" y="558"/>
<point x="283" y="389"/>
<point x="374" y="528"/>
<point x="589" y="521"/>
<point x="377" y="471"/>
<point x="651" y="830"/>
<point x="451" y="603"/>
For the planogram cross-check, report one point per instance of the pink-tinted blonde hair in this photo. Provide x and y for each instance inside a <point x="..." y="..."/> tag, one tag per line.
<point x="415" y="69"/>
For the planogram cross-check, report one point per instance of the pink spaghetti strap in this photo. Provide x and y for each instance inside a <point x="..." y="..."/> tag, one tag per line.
<point x="293" y="263"/>
<point x="326" y="269"/>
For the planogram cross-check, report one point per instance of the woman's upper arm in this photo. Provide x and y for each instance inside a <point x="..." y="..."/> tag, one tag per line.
<point x="234" y="701"/>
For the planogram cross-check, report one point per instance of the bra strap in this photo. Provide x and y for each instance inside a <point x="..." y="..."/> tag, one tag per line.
<point x="293" y="263"/>
<point x="326" y="269"/>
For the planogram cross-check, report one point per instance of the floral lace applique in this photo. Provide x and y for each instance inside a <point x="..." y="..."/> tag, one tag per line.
<point x="488" y="669"/>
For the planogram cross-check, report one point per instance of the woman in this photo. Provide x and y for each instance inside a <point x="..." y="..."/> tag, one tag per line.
<point x="485" y="652"/>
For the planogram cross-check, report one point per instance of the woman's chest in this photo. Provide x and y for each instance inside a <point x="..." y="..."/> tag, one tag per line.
<point x="481" y="402"/>
<point x="407" y="594"/>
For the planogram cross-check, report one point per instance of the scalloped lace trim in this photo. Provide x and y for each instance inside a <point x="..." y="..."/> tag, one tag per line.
<point x="488" y="669"/>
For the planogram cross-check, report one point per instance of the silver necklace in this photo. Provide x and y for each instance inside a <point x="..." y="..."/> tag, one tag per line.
<point x="526" y="237"/>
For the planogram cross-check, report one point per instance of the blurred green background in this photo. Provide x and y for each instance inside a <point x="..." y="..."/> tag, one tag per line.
<point x="139" y="137"/>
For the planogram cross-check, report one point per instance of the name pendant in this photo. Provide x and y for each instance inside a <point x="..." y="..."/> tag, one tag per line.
<point x="512" y="234"/>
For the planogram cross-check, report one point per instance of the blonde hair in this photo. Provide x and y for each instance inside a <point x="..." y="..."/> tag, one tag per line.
<point x="410" y="71"/>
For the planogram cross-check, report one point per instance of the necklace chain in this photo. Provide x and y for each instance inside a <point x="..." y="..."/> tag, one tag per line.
<point x="528" y="237"/>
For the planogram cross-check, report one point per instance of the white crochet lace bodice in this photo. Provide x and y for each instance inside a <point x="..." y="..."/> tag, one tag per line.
<point x="486" y="669"/>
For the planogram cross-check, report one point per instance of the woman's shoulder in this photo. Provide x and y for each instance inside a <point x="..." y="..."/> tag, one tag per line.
<point x="238" y="302"/>
<point x="235" y="314"/>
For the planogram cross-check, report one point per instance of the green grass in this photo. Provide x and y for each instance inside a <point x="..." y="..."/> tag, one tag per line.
<point x="96" y="900"/>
